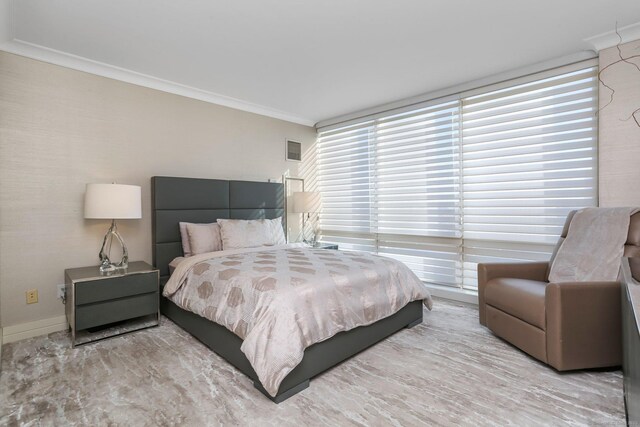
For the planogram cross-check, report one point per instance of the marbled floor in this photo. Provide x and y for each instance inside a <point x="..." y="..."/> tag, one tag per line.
<point x="447" y="371"/>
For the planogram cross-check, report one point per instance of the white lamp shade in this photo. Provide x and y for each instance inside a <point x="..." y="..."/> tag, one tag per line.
<point x="112" y="201"/>
<point x="305" y="201"/>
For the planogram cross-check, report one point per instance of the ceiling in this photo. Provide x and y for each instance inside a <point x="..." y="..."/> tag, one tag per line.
<point x="305" y="61"/>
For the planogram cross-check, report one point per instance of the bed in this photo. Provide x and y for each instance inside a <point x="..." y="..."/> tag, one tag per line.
<point x="206" y="200"/>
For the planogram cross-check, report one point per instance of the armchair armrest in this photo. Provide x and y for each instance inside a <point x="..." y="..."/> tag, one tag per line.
<point x="583" y="324"/>
<point x="519" y="270"/>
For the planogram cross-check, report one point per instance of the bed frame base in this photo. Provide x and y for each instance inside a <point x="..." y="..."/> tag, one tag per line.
<point x="281" y="397"/>
<point x="416" y="323"/>
<point x="317" y="358"/>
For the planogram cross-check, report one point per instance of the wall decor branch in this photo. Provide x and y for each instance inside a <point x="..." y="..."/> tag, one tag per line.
<point x="635" y="115"/>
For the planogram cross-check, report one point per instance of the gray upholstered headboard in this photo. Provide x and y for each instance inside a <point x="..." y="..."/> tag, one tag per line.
<point x="204" y="200"/>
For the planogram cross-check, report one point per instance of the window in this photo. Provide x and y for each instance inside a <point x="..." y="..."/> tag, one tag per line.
<point x="416" y="175"/>
<point x="345" y="183"/>
<point x="529" y="157"/>
<point x="488" y="175"/>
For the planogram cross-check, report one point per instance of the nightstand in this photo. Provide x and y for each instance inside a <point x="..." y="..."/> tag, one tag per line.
<point x="320" y="245"/>
<point x="102" y="306"/>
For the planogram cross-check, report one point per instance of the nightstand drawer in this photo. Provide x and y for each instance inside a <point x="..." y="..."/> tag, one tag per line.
<point x="102" y="313"/>
<point x="115" y="287"/>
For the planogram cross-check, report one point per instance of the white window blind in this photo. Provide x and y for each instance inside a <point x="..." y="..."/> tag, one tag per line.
<point x="486" y="176"/>
<point x="528" y="158"/>
<point x="416" y="175"/>
<point x="344" y="181"/>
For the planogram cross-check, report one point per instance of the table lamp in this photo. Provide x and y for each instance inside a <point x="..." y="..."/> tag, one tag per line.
<point x="306" y="202"/>
<point x="112" y="201"/>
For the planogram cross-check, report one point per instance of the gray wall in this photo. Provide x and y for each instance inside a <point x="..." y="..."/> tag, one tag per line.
<point x="619" y="138"/>
<point x="61" y="129"/>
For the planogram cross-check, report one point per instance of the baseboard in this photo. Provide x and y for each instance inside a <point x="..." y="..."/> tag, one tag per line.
<point x="454" y="294"/>
<point x="33" y="329"/>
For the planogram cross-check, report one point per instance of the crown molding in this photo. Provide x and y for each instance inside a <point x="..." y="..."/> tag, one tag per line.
<point x="79" y="63"/>
<point x="610" y="38"/>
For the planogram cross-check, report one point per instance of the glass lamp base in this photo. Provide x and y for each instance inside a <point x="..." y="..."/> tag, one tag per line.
<point x="112" y="268"/>
<point x="106" y="266"/>
<point x="312" y="241"/>
<point x="314" y="237"/>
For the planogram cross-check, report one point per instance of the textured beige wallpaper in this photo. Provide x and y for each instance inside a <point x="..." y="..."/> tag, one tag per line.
<point x="61" y="129"/>
<point x="619" y="136"/>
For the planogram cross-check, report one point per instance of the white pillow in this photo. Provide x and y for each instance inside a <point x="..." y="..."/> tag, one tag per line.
<point x="186" y="248"/>
<point x="240" y="233"/>
<point x="204" y="238"/>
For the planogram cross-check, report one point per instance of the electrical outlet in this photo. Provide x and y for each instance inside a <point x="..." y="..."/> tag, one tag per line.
<point x="62" y="293"/>
<point x="32" y="296"/>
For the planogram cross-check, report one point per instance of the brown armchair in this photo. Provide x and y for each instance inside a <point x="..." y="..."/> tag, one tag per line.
<point x="566" y="325"/>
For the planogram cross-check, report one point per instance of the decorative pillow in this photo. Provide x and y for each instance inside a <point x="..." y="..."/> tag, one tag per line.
<point x="240" y="233"/>
<point x="204" y="238"/>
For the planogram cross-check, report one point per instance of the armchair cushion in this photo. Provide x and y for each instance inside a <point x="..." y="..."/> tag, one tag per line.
<point x="521" y="298"/>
